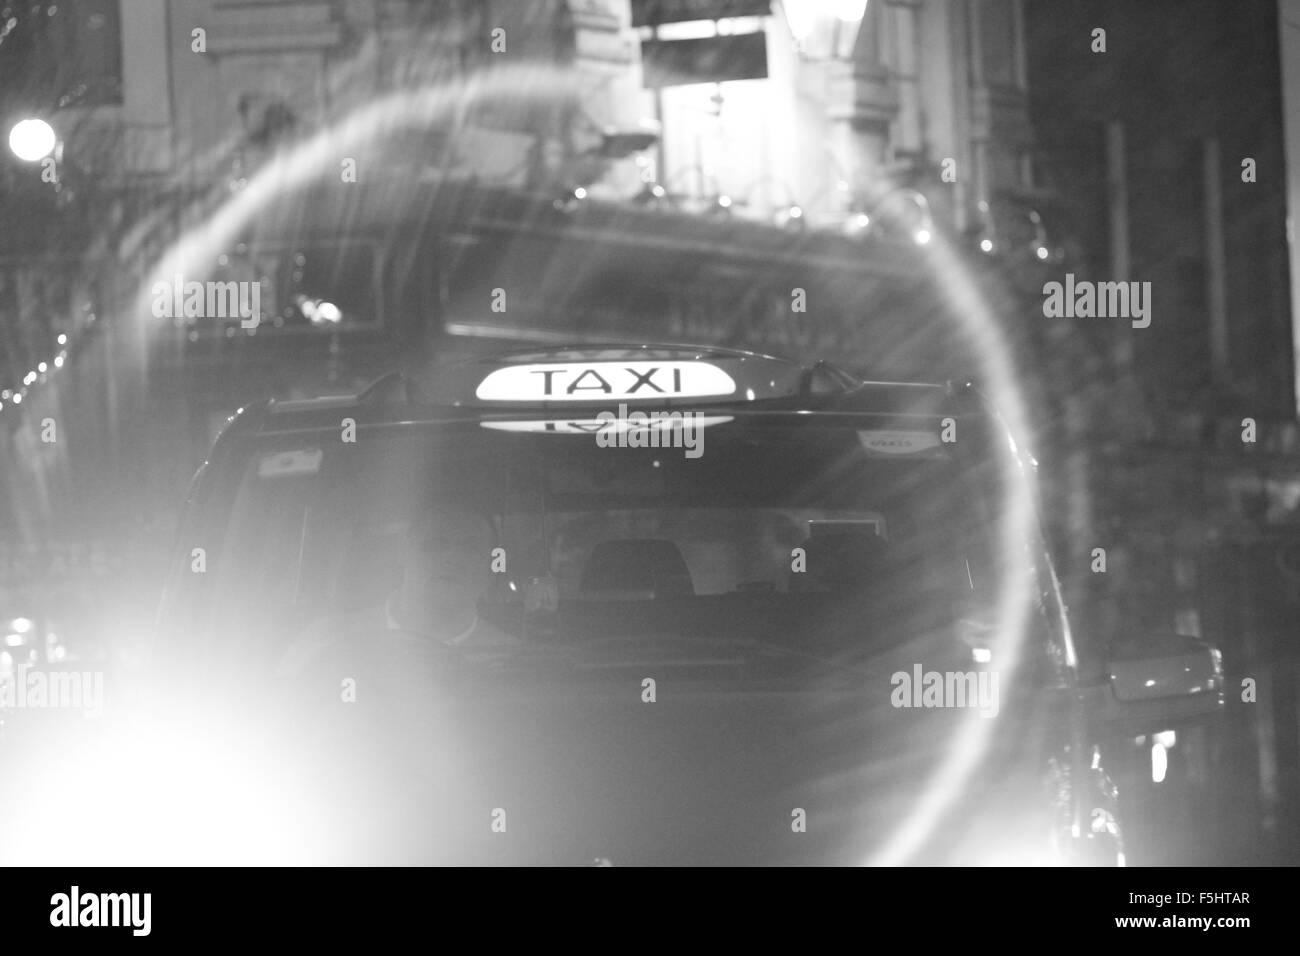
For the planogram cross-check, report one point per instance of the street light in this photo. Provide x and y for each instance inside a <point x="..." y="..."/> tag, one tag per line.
<point x="850" y="11"/>
<point x="800" y="19"/>
<point x="31" y="140"/>
<point x="815" y="23"/>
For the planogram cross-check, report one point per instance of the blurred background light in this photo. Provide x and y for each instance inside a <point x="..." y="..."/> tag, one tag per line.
<point x="31" y="140"/>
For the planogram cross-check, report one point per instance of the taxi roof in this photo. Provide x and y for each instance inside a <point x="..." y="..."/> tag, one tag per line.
<point x="566" y="380"/>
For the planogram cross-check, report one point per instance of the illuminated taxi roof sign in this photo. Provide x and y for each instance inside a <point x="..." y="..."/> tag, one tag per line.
<point x="603" y="381"/>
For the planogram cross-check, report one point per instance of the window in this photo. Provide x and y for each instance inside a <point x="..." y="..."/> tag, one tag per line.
<point x="89" y="48"/>
<point x="62" y="54"/>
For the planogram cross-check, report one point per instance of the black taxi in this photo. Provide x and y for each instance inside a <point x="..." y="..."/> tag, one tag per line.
<point x="651" y="605"/>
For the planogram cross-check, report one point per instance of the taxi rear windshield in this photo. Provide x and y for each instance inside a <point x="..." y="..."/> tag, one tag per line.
<point x="587" y="541"/>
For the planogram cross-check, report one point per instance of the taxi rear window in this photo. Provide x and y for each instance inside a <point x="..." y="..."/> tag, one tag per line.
<point x="315" y="528"/>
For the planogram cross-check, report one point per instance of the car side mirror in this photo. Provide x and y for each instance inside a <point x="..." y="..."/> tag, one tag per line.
<point x="1158" y="680"/>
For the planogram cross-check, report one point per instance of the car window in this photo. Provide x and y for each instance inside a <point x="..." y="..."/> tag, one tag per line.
<point x="771" y="524"/>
